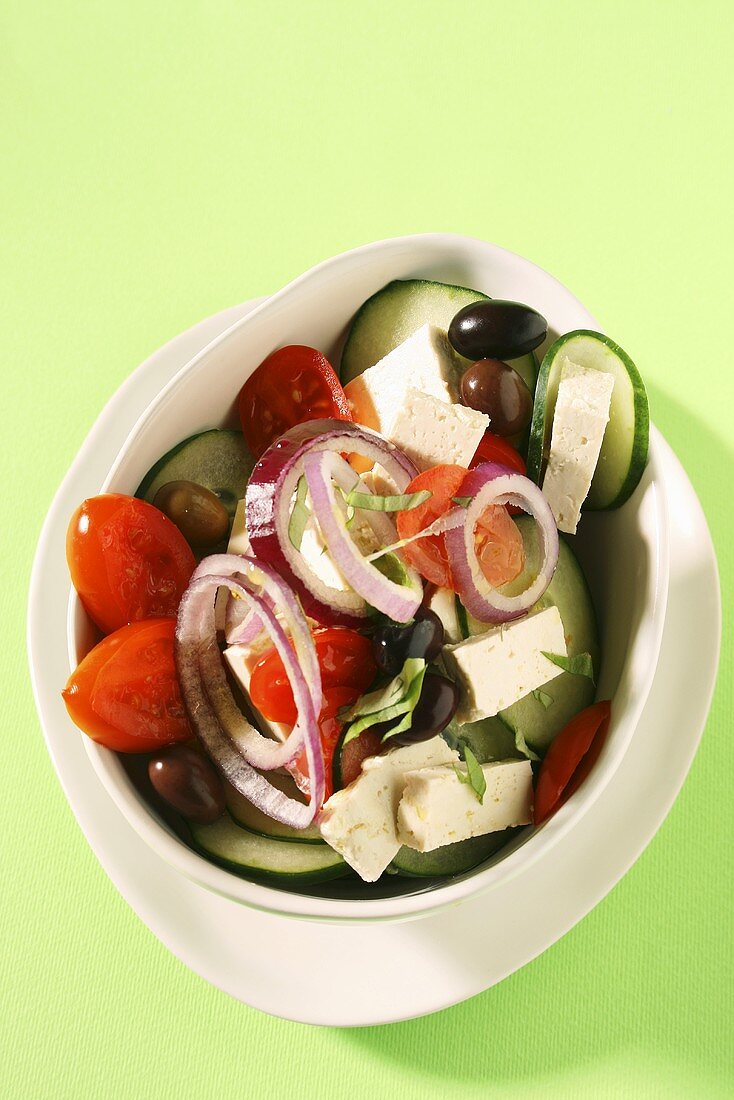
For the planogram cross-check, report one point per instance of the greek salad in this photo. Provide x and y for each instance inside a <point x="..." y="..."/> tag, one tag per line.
<point x="349" y="638"/>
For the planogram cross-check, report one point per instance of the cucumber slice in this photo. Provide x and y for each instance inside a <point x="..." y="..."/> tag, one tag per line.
<point x="452" y="859"/>
<point x="624" y="449"/>
<point x="261" y="857"/>
<point x="218" y="459"/>
<point x="246" y="815"/>
<point x="490" y="739"/>
<point x="394" y="313"/>
<point x="568" y="590"/>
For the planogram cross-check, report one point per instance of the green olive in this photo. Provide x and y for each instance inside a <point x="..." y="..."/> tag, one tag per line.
<point x="197" y="512"/>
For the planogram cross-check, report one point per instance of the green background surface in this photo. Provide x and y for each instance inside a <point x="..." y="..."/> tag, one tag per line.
<point x="162" y="161"/>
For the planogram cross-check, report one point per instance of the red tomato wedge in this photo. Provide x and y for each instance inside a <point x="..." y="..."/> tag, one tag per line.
<point x="499" y="544"/>
<point x="330" y="729"/>
<point x="291" y="386"/>
<point x="345" y="659"/>
<point x="127" y="560"/>
<point x="493" y="448"/>
<point x="570" y="758"/>
<point x="125" y="693"/>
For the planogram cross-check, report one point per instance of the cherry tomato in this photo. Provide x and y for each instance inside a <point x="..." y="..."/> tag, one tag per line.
<point x="493" y="448"/>
<point x="570" y="758"/>
<point x="330" y="729"/>
<point x="125" y="693"/>
<point x="345" y="659"/>
<point x="127" y="560"/>
<point x="498" y="542"/>
<point x="291" y="386"/>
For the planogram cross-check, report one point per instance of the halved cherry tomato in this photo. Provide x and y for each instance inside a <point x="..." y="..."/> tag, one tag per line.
<point x="125" y="693"/>
<point x="127" y="560"/>
<point x="345" y="659"/>
<point x="291" y="386"/>
<point x="498" y="542"/>
<point x="493" y="448"/>
<point x="570" y="758"/>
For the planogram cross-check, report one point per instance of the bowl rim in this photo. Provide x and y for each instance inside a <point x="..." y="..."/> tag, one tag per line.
<point x="268" y="898"/>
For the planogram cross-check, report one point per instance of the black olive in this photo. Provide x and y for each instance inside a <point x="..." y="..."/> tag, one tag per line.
<point x="433" y="712"/>
<point x="495" y="329"/>
<point x="393" y="643"/>
<point x="495" y="388"/>
<point x="188" y="781"/>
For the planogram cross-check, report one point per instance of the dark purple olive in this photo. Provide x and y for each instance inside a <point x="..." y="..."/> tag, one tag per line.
<point x="494" y="329"/>
<point x="393" y="643"/>
<point x="495" y="388"/>
<point x="434" y="710"/>
<point x="189" y="782"/>
<point x="198" y="513"/>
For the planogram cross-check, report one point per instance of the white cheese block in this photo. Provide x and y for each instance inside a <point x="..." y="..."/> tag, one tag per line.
<point x="433" y="433"/>
<point x="579" y="422"/>
<point x="437" y="808"/>
<point x="242" y="660"/>
<point x="238" y="540"/>
<point x="496" y="669"/>
<point x="360" y="821"/>
<point x="424" y="362"/>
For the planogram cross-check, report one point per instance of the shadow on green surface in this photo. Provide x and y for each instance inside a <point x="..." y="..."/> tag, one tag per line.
<point x="641" y="978"/>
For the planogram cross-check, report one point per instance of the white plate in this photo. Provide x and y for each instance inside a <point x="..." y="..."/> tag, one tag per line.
<point x="211" y="934"/>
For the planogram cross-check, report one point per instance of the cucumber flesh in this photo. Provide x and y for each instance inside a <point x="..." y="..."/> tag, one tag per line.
<point x="568" y="590"/>
<point x="394" y="313"/>
<point x="218" y="459"/>
<point x="624" y="449"/>
<point x="246" y="815"/>
<point x="452" y="859"/>
<point x="261" y="857"/>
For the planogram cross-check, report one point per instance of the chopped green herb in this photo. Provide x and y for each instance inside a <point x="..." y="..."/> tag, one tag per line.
<point x="300" y="515"/>
<point x="394" y="700"/>
<point x="580" y="665"/>
<point x="543" y="697"/>
<point x="402" y="503"/>
<point x="391" y="567"/>
<point x="463" y="502"/>
<point x="473" y="776"/>
<point x="522" y="746"/>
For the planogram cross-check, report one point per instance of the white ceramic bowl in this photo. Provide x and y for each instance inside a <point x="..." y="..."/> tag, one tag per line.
<point x="625" y="552"/>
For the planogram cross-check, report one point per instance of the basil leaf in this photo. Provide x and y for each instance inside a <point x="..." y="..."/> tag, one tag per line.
<point x="402" y="503"/>
<point x="411" y="701"/>
<point x="522" y="746"/>
<point x="580" y="665"/>
<point x="473" y="776"/>
<point x="395" y="699"/>
<point x="300" y="515"/>
<point x="543" y="697"/>
<point x="463" y="502"/>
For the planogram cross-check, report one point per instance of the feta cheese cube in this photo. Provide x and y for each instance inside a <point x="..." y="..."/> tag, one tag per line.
<point x="239" y="543"/>
<point x="360" y="821"/>
<point x="425" y="362"/>
<point x="579" y="422"/>
<point x="437" y="808"/>
<point x="433" y="433"/>
<point x="499" y="667"/>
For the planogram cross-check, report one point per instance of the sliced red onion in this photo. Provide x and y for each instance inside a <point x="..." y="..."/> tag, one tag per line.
<point x="488" y="484"/>
<point x="323" y="469"/>
<point x="233" y="744"/>
<point x="268" y="503"/>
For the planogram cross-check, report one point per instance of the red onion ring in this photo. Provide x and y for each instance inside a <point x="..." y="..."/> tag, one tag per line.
<point x="268" y="501"/>
<point x="234" y="745"/>
<point x="400" y="602"/>
<point x="491" y="483"/>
